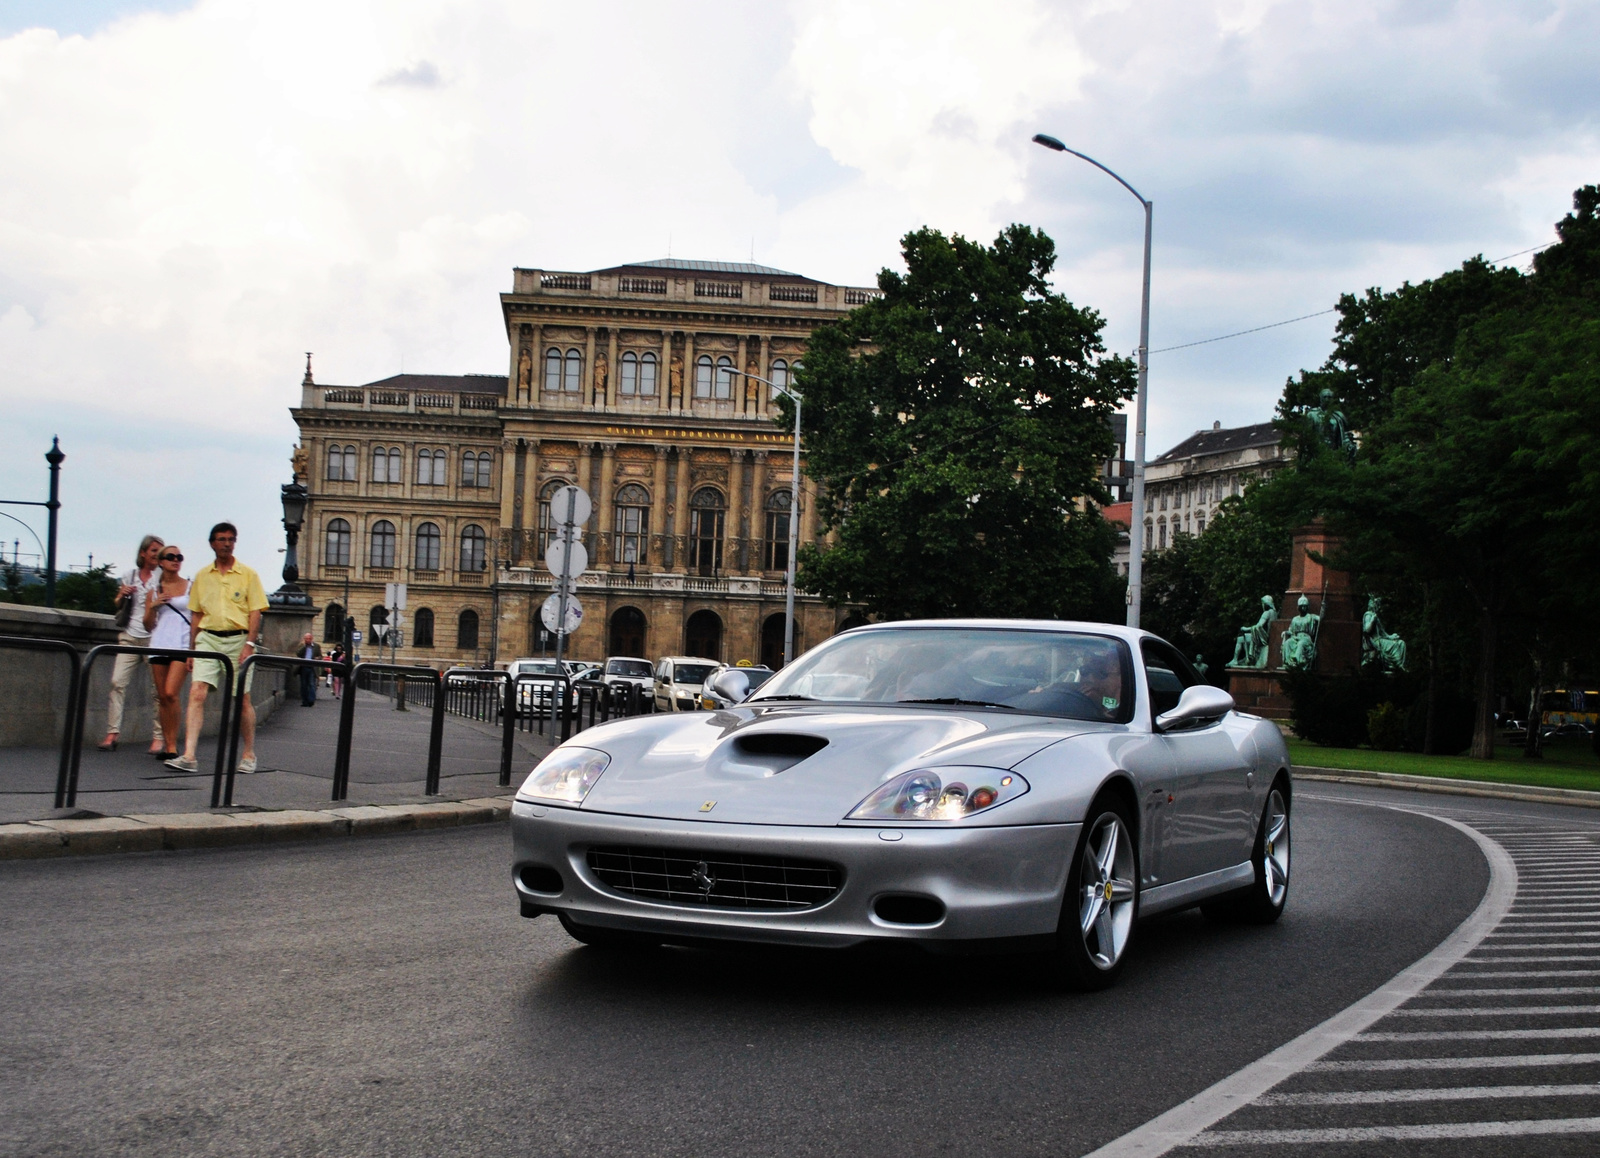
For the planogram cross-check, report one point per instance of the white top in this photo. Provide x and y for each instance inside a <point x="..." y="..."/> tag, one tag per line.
<point x="172" y="628"/>
<point x="141" y="592"/>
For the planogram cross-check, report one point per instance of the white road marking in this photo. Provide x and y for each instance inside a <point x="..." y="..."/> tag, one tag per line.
<point x="1518" y="991"/>
<point x="1500" y="1061"/>
<point x="1494" y="1010"/>
<point x="1430" y="1094"/>
<point x="1182" y="1125"/>
<point x="1401" y="1133"/>
<point x="1484" y="1034"/>
<point x="1526" y="973"/>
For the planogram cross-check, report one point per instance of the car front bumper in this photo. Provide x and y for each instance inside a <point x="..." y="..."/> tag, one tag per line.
<point x="995" y="883"/>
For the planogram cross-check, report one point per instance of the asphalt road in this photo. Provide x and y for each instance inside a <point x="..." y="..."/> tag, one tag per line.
<point x="383" y="997"/>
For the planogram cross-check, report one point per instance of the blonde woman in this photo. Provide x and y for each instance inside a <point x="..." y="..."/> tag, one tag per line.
<point x="166" y="617"/>
<point x="131" y="596"/>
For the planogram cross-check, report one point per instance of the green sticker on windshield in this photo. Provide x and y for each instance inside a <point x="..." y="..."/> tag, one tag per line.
<point x="1108" y="702"/>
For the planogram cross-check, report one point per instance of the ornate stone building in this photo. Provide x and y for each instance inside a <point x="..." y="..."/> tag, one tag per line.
<point x="1184" y="486"/>
<point x="639" y="384"/>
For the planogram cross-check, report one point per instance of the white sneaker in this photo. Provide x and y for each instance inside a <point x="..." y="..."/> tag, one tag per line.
<point x="183" y="764"/>
<point x="247" y="765"/>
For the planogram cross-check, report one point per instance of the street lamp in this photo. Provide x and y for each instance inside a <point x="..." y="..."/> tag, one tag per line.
<point x="55" y="456"/>
<point x="1136" y="522"/>
<point x="794" y="513"/>
<point x="295" y="497"/>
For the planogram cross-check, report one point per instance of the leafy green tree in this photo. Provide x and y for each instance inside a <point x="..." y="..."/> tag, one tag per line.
<point x="956" y="426"/>
<point x="1478" y="469"/>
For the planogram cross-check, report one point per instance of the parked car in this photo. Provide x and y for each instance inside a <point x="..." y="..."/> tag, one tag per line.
<point x="678" y="681"/>
<point x="534" y="696"/>
<point x="754" y="677"/>
<point x="624" y="670"/>
<point x="955" y="784"/>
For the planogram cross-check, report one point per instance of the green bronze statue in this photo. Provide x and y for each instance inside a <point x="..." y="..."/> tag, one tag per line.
<point x="1300" y="641"/>
<point x="1330" y="425"/>
<point x="1377" y="645"/>
<point x="1200" y="667"/>
<point x="1250" y="648"/>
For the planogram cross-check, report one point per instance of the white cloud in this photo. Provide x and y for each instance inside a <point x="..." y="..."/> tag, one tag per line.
<point x="190" y="199"/>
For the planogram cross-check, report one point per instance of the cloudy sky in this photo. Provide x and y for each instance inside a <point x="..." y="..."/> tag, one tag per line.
<point x="195" y="192"/>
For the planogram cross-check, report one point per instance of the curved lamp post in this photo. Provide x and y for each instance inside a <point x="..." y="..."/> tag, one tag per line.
<point x="1136" y="523"/>
<point x="794" y="512"/>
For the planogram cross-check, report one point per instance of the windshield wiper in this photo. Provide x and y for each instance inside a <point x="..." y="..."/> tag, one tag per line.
<point x="961" y="703"/>
<point x="758" y="699"/>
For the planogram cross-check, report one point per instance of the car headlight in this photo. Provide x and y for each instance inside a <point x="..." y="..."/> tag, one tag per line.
<point x="940" y="794"/>
<point x="566" y="775"/>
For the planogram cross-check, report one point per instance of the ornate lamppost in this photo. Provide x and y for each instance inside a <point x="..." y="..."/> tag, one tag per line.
<point x="295" y="497"/>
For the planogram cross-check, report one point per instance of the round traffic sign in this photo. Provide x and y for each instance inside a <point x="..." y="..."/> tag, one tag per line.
<point x="552" y="608"/>
<point x="556" y="557"/>
<point x="570" y="504"/>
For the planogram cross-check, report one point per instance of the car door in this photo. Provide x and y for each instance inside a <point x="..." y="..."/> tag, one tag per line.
<point x="1209" y="818"/>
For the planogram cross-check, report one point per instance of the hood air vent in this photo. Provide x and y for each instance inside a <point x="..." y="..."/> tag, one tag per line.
<point x="776" y="751"/>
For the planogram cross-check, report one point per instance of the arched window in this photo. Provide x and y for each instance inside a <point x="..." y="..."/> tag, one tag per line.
<point x="628" y="374"/>
<point x="627" y="631"/>
<point x="632" y="524"/>
<point x="333" y="624"/>
<point x="723" y="387"/>
<point x="1200" y="523"/>
<point x="772" y="641"/>
<point x="474" y="548"/>
<point x="386" y="465"/>
<point x="779" y="512"/>
<point x="382" y="544"/>
<point x="432" y="468"/>
<point x="707" y="512"/>
<point x="1161" y="533"/>
<point x="469" y="468"/>
<point x="702" y="376"/>
<point x="427" y="547"/>
<point x="779" y="375"/>
<point x="702" y="635"/>
<point x="336" y="464"/>
<point x="467" y="630"/>
<point x="552" y="370"/>
<point x="422" y="628"/>
<point x="1149" y="534"/>
<point x="572" y="374"/>
<point x="336" y="544"/>
<point x="485" y="465"/>
<point x="547" y="526"/>
<point x="647" y="376"/>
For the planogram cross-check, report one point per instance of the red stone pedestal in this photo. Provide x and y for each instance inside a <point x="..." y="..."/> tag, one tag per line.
<point x="1258" y="692"/>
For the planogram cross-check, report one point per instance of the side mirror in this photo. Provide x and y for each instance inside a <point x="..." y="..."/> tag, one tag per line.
<point x="1201" y="702"/>
<point x="730" y="685"/>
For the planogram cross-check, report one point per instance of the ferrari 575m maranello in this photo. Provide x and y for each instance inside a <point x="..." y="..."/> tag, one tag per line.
<point x="960" y="784"/>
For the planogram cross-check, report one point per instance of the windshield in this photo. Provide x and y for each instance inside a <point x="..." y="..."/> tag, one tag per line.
<point x="1048" y="673"/>
<point x="757" y="675"/>
<point x="546" y="667"/>
<point x="628" y="667"/>
<point x="691" y="673"/>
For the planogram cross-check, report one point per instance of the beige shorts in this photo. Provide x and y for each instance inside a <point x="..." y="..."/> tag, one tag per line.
<point x="209" y="671"/>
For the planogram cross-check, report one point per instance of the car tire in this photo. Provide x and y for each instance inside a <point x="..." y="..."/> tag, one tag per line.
<point x="601" y="938"/>
<point x="1262" y="902"/>
<point x="1100" y="909"/>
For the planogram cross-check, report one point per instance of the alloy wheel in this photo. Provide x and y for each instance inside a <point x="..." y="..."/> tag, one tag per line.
<point x="1105" y="909"/>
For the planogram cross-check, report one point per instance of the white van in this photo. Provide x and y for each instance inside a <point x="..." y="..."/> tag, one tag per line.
<point x="679" y="679"/>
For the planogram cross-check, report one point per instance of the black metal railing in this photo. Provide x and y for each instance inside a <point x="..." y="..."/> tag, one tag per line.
<point x="61" y="646"/>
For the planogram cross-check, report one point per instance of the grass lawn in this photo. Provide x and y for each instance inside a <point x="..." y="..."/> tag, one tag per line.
<point x="1568" y="762"/>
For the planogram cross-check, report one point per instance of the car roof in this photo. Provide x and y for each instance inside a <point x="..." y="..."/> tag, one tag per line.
<point x="1130" y="634"/>
<point x="688" y="659"/>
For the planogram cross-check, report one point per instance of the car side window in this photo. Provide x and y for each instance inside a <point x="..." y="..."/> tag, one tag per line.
<point x="1167" y="674"/>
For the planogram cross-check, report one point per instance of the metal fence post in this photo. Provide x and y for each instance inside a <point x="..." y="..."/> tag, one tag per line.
<point x="435" y="736"/>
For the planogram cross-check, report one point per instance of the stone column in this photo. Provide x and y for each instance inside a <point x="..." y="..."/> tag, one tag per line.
<point x="537" y="342"/>
<point x="758" y="510"/>
<point x="740" y="383"/>
<point x="764" y="368"/>
<point x="656" y="554"/>
<point x="585" y="380"/>
<point x="681" y="522"/>
<point x="584" y="480"/>
<point x="530" y="505"/>
<point x="612" y="371"/>
<point x="664" y="371"/>
<point x="808" y="524"/>
<point x="686" y="403"/>
<point x="733" y="559"/>
<point x="603" y="506"/>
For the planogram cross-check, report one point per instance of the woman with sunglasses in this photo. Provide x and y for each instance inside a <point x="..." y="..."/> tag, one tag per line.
<point x="167" y="617"/>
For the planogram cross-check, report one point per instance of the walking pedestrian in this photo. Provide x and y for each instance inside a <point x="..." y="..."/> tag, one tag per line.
<point x="337" y="656"/>
<point x="226" y="600"/>
<point x="167" y="618"/>
<point x="131" y="631"/>
<point x="309" y="649"/>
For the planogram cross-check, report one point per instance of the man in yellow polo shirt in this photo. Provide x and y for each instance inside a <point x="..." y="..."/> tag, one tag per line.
<point x="226" y="600"/>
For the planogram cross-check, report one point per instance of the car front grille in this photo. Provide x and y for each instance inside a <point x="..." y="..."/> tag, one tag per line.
<point x="715" y="880"/>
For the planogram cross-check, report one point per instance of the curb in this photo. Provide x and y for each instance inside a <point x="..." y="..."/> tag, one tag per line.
<point x="158" y="832"/>
<point x="1577" y="797"/>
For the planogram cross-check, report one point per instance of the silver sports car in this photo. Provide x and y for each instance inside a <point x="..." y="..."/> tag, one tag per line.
<point x="960" y="784"/>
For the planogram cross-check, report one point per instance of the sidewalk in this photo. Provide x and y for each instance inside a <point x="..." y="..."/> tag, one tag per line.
<point x="295" y="751"/>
